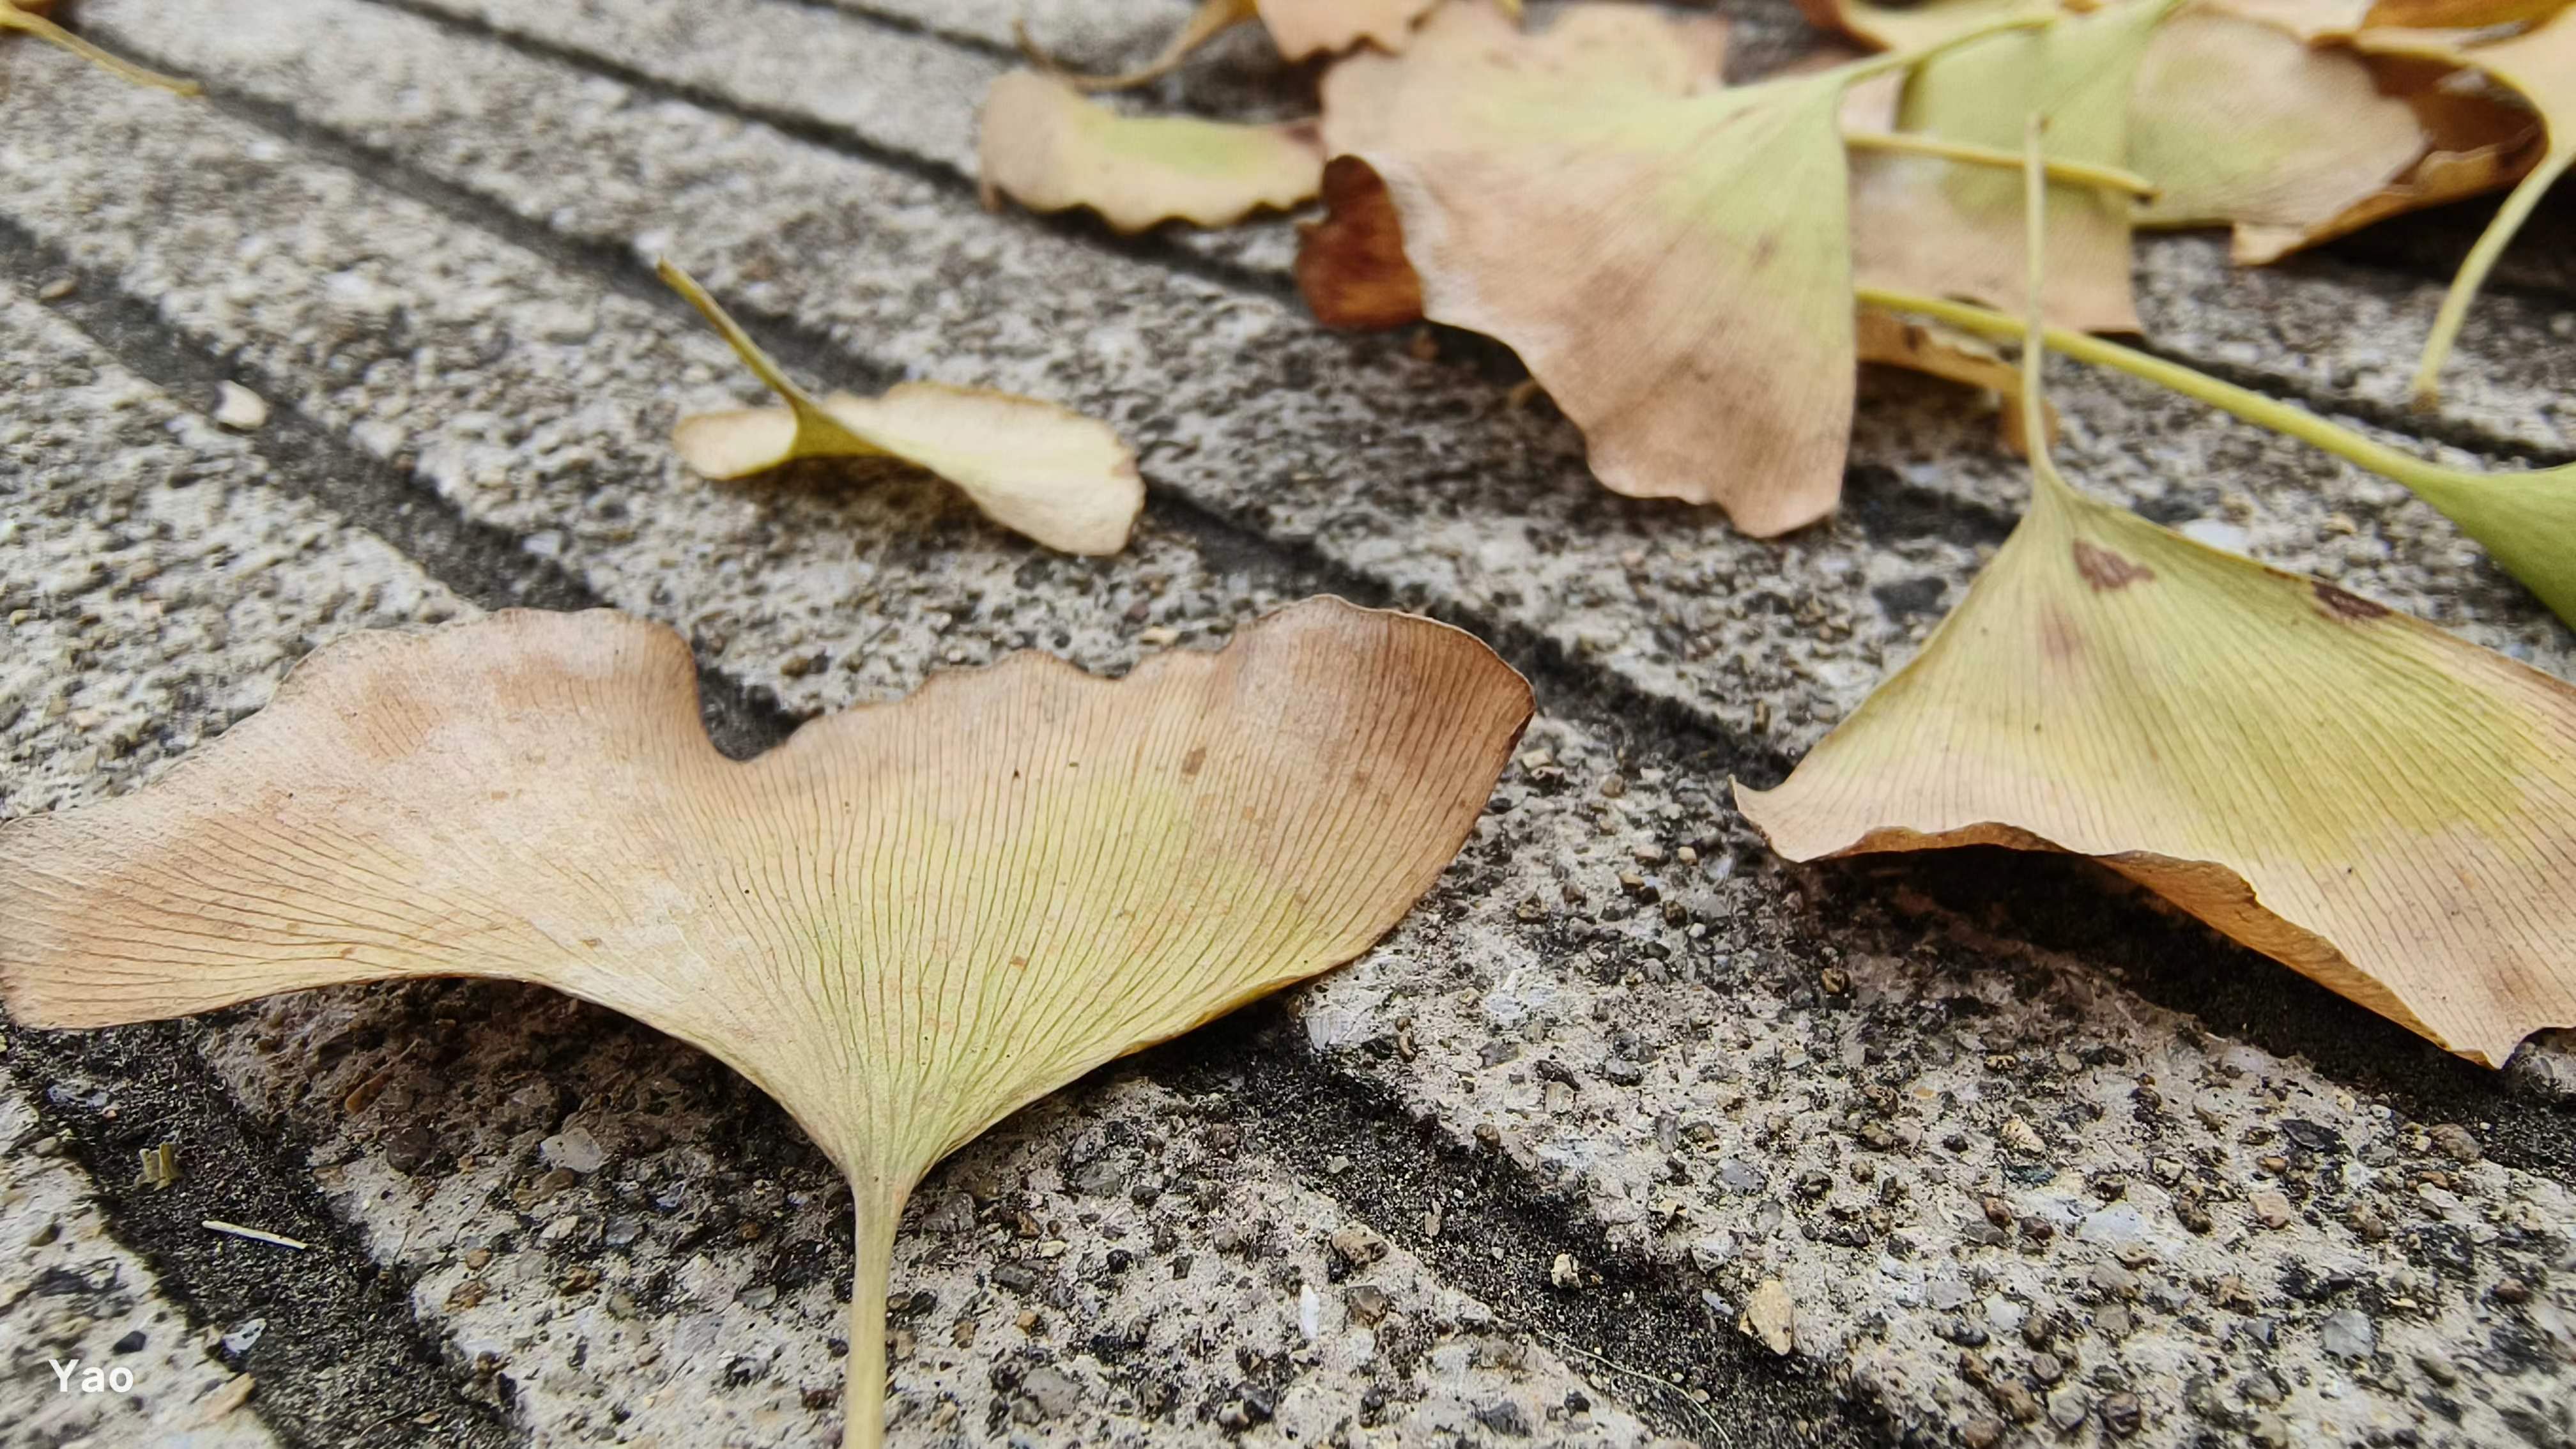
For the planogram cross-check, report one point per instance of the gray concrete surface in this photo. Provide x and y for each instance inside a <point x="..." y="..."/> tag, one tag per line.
<point x="2027" y="1158"/>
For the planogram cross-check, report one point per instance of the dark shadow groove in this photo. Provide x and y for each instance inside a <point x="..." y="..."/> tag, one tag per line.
<point x="340" y="1330"/>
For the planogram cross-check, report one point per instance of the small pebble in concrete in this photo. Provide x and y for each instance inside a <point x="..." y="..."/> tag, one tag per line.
<point x="2348" y="1333"/>
<point x="1770" y="1316"/>
<point x="240" y="409"/>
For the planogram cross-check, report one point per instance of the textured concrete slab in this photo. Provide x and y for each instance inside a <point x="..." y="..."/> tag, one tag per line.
<point x="1991" y="1146"/>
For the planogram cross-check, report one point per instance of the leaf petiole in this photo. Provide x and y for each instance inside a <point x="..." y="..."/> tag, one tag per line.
<point x="2073" y="173"/>
<point x="2525" y="519"/>
<point x="13" y="18"/>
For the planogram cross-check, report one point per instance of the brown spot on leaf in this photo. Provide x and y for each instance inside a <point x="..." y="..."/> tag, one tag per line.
<point x="2344" y="604"/>
<point x="1190" y="762"/>
<point x="2106" y="570"/>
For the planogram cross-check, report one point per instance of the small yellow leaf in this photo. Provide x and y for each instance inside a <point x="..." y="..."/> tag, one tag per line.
<point x="1049" y="149"/>
<point x="1037" y="469"/>
<point x="2350" y="791"/>
<point x="904" y="923"/>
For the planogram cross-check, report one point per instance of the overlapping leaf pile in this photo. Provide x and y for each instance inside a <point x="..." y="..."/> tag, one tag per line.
<point x="1693" y="269"/>
<point x="1677" y="259"/>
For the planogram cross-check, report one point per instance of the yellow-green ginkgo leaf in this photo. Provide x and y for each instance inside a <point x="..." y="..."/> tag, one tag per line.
<point x="34" y="17"/>
<point x="2240" y="124"/>
<point x="2539" y="65"/>
<point x="2341" y="787"/>
<point x="904" y="923"/>
<point x="1921" y="224"/>
<point x="1037" y="469"/>
<point x="1044" y="146"/>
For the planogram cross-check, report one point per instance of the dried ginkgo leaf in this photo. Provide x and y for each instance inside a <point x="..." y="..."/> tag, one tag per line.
<point x="2350" y="791"/>
<point x="1044" y="146"/>
<point x="1920" y="224"/>
<point x="1037" y="469"/>
<point x="34" y="17"/>
<point x="904" y="923"/>
<point x="2473" y="142"/>
<point x="2539" y="65"/>
<point x="2346" y="789"/>
<point x="1672" y="267"/>
<point x="2240" y="124"/>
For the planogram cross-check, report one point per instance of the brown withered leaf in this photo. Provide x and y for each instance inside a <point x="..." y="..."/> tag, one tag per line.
<point x="1043" y="145"/>
<point x="904" y="923"/>
<point x="1534" y="179"/>
<point x="1350" y="264"/>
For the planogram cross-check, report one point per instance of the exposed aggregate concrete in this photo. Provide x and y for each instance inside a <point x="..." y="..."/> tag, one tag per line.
<point x="71" y="1294"/>
<point x="1831" y="1080"/>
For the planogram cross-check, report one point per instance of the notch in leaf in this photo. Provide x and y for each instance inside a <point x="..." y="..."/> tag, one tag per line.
<point x="1033" y="467"/>
<point x="904" y="923"/>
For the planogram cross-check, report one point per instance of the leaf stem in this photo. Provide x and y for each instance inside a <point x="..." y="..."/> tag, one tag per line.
<point x="863" y="1392"/>
<point x="2524" y="519"/>
<point x="2074" y="173"/>
<point x="2473" y="271"/>
<point x="13" y="18"/>
<point x="2034" y="328"/>
<point x="816" y="429"/>
<point x="2227" y="397"/>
